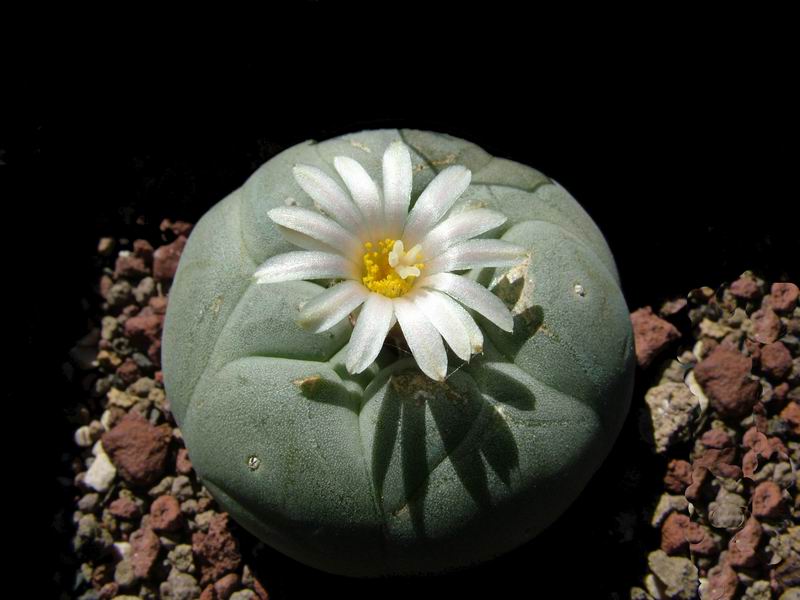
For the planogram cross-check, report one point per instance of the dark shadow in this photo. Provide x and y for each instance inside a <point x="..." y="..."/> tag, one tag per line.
<point x="467" y="412"/>
<point x="471" y="427"/>
<point x="388" y="422"/>
<point x="414" y="458"/>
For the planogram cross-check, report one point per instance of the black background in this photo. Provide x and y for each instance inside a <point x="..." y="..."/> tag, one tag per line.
<point x="682" y="147"/>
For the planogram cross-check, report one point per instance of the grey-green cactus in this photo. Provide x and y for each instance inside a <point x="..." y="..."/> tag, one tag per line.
<point x="388" y="471"/>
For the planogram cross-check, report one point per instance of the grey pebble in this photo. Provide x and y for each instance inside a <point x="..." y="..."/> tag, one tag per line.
<point x="89" y="502"/>
<point x="678" y="575"/>
<point x="162" y="487"/>
<point x="124" y="574"/>
<point x="110" y="328"/>
<point x="119" y="294"/>
<point x="181" y="558"/>
<point x="145" y="290"/>
<point x="144" y="363"/>
<point x="203" y="519"/>
<point x="180" y="586"/>
<point x="182" y="488"/>
<point x="141" y="387"/>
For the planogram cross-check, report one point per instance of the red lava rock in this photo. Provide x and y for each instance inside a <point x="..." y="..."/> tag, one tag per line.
<point x="672" y="307"/>
<point x="719" y="462"/>
<point x="743" y="547"/>
<point x="225" y="586"/>
<point x="129" y="311"/>
<point x="144" y="551"/>
<point x="724" y="376"/>
<point x="128" y="371"/>
<point x="217" y="551"/>
<point x="165" y="259"/>
<point x="780" y="391"/>
<point x="651" y="335"/>
<point x="130" y="266"/>
<point x="722" y="582"/>
<point x="177" y="228"/>
<point x="109" y="591"/>
<point x="158" y="304"/>
<point x="776" y="360"/>
<point x="766" y="325"/>
<point x="182" y="463"/>
<point x="154" y="353"/>
<point x="144" y="327"/>
<point x="745" y="288"/>
<point x="699" y="476"/>
<point x="678" y="476"/>
<point x="716" y="438"/>
<point x="165" y="514"/>
<point x="124" y="508"/>
<point x="750" y="463"/>
<point x="791" y="414"/>
<point x="143" y="249"/>
<point x="762" y="445"/>
<point x="138" y="449"/>
<point x="673" y="533"/>
<point x="768" y="500"/>
<point x="209" y="593"/>
<point x="701" y="542"/>
<point x="105" y="284"/>
<point x="105" y="246"/>
<point x="259" y="590"/>
<point x="783" y="297"/>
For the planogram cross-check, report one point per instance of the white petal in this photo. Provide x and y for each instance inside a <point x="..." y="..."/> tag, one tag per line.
<point x="472" y="295"/>
<point x="424" y="341"/>
<point x="306" y="242"/>
<point x="457" y="311"/>
<point x="441" y="317"/>
<point x="319" y="227"/>
<point x="397" y="178"/>
<point x="369" y="333"/>
<point x="476" y="253"/>
<point x="459" y="228"/>
<point x="304" y="264"/>
<point x="329" y="196"/>
<point x="435" y="201"/>
<point x="326" y="309"/>
<point x="363" y="191"/>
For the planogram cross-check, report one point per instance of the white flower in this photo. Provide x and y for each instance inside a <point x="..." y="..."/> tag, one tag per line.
<point x="394" y="262"/>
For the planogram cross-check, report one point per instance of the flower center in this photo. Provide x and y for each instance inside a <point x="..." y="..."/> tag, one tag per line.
<point x="390" y="270"/>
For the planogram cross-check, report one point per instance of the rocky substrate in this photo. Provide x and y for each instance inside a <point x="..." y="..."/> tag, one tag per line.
<point x="724" y="414"/>
<point x="144" y="526"/>
<point x="722" y="418"/>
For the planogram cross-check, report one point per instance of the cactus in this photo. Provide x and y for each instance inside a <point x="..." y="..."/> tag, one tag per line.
<point x="387" y="471"/>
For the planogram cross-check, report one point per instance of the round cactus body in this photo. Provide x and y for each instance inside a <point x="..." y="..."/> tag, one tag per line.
<point x="388" y="471"/>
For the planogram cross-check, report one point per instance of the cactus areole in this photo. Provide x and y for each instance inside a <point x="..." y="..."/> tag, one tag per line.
<point x="392" y="353"/>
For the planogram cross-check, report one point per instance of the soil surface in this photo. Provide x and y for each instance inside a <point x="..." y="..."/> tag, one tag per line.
<point x="698" y="498"/>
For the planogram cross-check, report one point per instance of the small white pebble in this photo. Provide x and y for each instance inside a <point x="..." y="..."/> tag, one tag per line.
<point x="122" y="550"/>
<point x="97" y="449"/>
<point x="580" y="290"/>
<point x="83" y="437"/>
<point x="105" y="420"/>
<point x="101" y="474"/>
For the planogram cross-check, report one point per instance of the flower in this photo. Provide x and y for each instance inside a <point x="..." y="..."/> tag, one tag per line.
<point x="395" y="264"/>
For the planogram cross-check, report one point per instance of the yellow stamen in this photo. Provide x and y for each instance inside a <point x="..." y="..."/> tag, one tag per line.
<point x="380" y="276"/>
